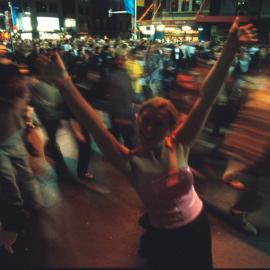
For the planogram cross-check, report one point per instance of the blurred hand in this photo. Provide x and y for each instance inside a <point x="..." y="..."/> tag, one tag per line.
<point x="244" y="34"/>
<point x="52" y="69"/>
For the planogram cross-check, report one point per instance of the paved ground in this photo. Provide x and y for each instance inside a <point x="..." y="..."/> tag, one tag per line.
<point x="82" y="228"/>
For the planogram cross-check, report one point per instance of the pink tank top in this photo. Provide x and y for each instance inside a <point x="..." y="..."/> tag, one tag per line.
<point x="171" y="201"/>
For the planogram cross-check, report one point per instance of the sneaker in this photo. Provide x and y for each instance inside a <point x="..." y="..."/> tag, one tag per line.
<point x="241" y="222"/>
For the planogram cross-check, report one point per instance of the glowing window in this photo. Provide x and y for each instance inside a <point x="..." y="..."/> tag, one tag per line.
<point x="48" y="24"/>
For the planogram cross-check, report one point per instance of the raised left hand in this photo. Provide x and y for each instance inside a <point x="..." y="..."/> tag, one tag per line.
<point x="244" y="34"/>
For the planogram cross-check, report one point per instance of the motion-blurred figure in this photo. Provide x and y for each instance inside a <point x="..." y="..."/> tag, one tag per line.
<point x="248" y="144"/>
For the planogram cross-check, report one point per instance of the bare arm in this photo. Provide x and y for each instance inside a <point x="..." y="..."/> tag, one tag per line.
<point x="109" y="146"/>
<point x="187" y="132"/>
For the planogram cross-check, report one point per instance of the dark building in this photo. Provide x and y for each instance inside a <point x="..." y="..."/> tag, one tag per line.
<point x="177" y="19"/>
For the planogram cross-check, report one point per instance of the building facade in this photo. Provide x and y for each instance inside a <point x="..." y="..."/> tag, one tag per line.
<point x="190" y="20"/>
<point x="203" y="20"/>
<point x="50" y="18"/>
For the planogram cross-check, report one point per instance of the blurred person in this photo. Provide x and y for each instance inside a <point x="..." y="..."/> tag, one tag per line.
<point x="153" y="70"/>
<point x="242" y="63"/>
<point x="135" y="70"/>
<point x="17" y="189"/>
<point x="177" y="233"/>
<point x="168" y="71"/>
<point x="51" y="110"/>
<point x="178" y="57"/>
<point x="120" y="100"/>
<point x="247" y="144"/>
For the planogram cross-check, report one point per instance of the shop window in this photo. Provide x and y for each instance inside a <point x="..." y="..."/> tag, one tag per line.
<point x="196" y="5"/>
<point x="185" y="5"/>
<point x="174" y="5"/>
<point x="53" y="7"/>
<point x="41" y="6"/>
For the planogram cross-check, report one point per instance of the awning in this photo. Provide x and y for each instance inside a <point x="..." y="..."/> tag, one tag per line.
<point x="222" y="19"/>
<point x="198" y="19"/>
<point x="167" y="22"/>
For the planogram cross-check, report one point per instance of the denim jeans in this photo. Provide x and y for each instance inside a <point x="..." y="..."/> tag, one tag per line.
<point x="16" y="177"/>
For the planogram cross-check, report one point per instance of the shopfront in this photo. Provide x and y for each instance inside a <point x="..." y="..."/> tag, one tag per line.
<point x="171" y="30"/>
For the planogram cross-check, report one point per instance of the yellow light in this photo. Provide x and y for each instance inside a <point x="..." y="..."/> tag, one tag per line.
<point x="169" y="29"/>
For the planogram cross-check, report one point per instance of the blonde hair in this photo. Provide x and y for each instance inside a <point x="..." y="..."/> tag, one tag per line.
<point x="162" y="105"/>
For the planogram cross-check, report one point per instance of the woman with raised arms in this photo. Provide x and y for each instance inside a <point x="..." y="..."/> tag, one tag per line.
<point x="177" y="233"/>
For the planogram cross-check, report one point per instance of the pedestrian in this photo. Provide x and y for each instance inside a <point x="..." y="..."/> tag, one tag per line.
<point x="178" y="233"/>
<point x="120" y="100"/>
<point x="247" y="146"/>
<point x="51" y="110"/>
<point x="17" y="188"/>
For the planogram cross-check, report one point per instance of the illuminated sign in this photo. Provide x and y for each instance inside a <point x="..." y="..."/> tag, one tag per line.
<point x="46" y="35"/>
<point x="26" y="36"/>
<point x="48" y="24"/>
<point x="70" y="23"/>
<point x="26" y="24"/>
<point x="147" y="29"/>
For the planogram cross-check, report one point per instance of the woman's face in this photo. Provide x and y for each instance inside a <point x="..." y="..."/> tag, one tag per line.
<point x="153" y="126"/>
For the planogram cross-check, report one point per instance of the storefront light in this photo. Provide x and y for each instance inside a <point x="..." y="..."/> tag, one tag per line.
<point x="46" y="35"/>
<point x="200" y="29"/>
<point x="48" y="24"/>
<point x="169" y="29"/>
<point x="26" y="24"/>
<point x="147" y="29"/>
<point x="186" y="28"/>
<point x="160" y="27"/>
<point x="70" y="23"/>
<point x="26" y="36"/>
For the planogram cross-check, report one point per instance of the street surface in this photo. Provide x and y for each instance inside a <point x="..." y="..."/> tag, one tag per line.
<point x="83" y="228"/>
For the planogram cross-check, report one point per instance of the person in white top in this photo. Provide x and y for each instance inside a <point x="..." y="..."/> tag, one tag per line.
<point x="178" y="233"/>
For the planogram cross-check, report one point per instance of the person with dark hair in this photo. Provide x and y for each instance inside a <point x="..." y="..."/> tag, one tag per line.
<point x="16" y="178"/>
<point x="177" y="233"/>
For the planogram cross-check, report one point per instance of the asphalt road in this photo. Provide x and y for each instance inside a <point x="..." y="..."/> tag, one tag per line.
<point x="80" y="227"/>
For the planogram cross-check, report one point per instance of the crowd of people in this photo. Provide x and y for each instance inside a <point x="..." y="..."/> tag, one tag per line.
<point x="45" y="82"/>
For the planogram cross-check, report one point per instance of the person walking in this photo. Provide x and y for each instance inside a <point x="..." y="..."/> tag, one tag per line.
<point x="17" y="184"/>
